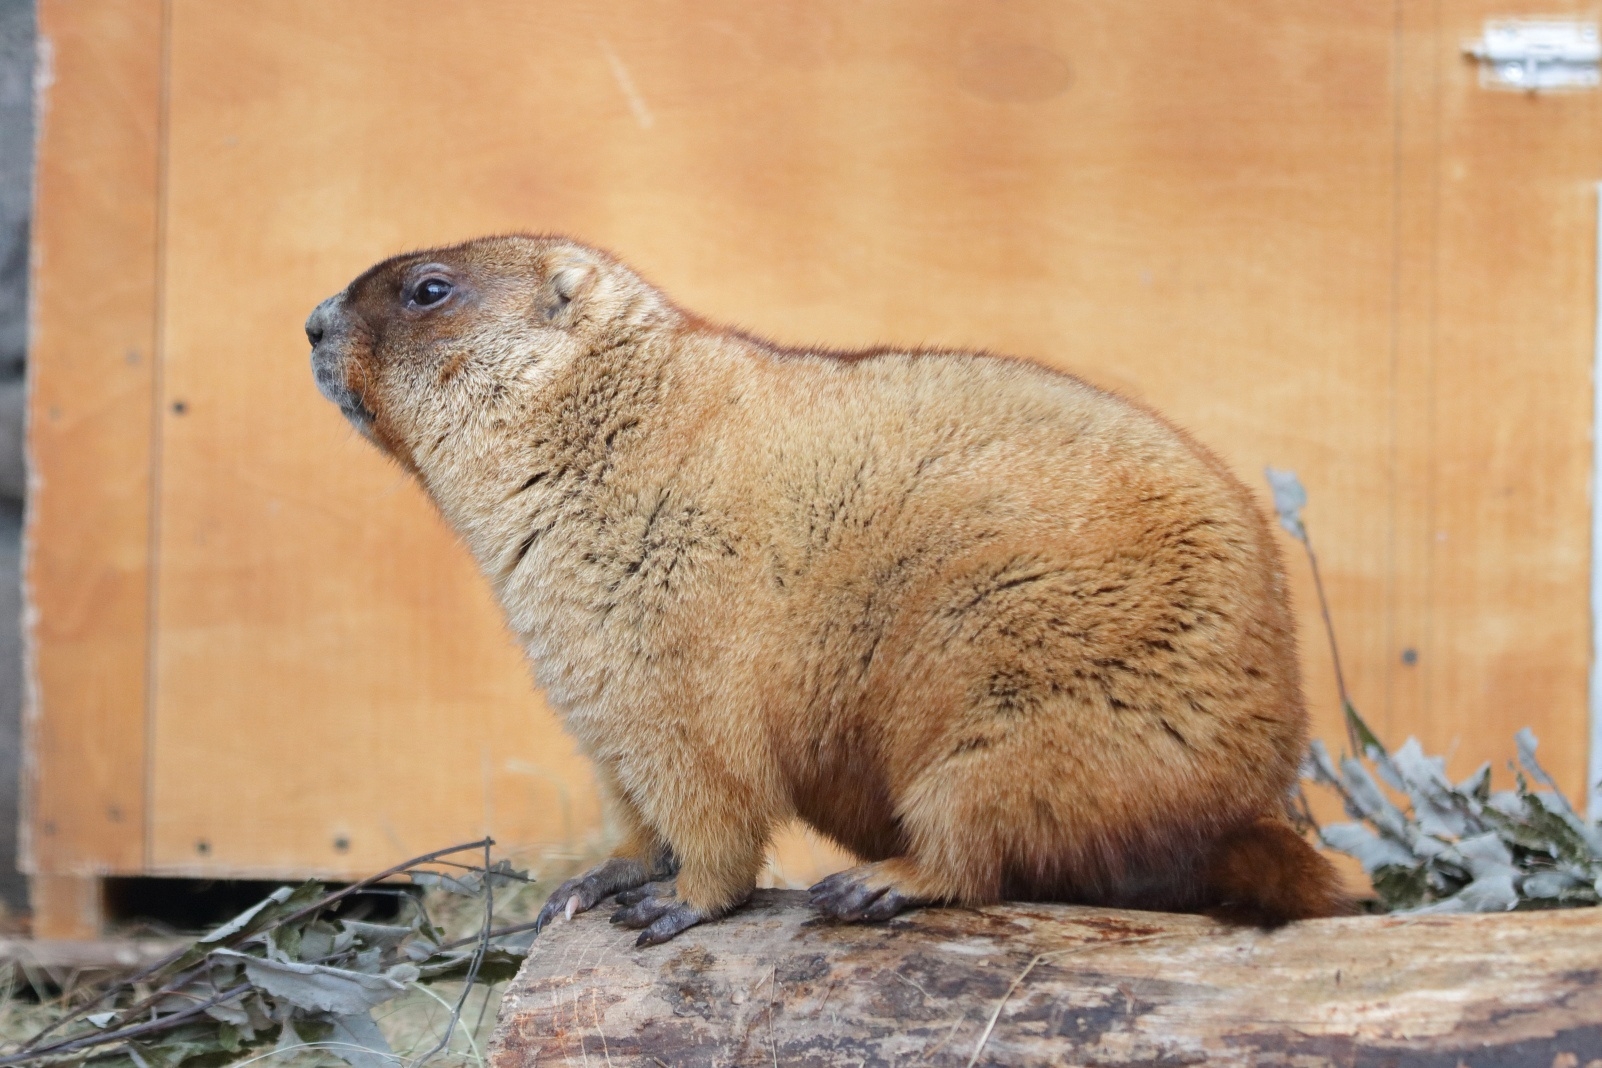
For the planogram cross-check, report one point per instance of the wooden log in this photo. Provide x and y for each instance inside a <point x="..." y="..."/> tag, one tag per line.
<point x="1061" y="985"/>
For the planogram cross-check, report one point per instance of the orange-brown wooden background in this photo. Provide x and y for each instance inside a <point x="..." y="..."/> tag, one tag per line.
<point x="1302" y="230"/>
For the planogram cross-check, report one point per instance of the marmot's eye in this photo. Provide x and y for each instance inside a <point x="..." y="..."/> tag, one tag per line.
<point x="430" y="291"/>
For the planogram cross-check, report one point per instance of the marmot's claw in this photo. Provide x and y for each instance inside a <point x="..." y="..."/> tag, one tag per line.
<point x="640" y="893"/>
<point x="890" y="903"/>
<point x="584" y="892"/>
<point x="670" y="923"/>
<point x="661" y="917"/>
<point x="565" y="900"/>
<point x="642" y="909"/>
<point x="848" y="896"/>
<point x="833" y="884"/>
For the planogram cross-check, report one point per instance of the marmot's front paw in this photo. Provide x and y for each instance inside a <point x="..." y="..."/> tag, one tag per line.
<point x="586" y="891"/>
<point x="859" y="895"/>
<point x="664" y="889"/>
<point x="658" y="909"/>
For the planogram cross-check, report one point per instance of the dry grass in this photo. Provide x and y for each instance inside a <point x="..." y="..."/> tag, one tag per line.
<point x="416" y="1022"/>
<point x="413" y="1023"/>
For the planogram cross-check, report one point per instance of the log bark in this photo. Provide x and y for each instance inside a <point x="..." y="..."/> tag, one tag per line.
<point x="1061" y="985"/>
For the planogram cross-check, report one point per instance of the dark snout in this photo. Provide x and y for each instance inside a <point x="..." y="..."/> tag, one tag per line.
<point x="328" y="330"/>
<point x="318" y="322"/>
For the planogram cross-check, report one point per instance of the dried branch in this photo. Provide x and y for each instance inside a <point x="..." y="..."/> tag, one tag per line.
<point x="1455" y="847"/>
<point x="472" y="968"/>
<point x="284" y="964"/>
<point x="164" y="1023"/>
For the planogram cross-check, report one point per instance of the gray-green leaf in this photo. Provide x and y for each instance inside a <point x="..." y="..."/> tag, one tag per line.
<point x="324" y="989"/>
<point x="1547" y="884"/>
<point x="1289" y="500"/>
<point x="358" y="1042"/>
<point x="1371" y="851"/>
<point x="238" y="923"/>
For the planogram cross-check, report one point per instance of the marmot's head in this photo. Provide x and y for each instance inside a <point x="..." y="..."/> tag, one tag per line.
<point x="424" y="343"/>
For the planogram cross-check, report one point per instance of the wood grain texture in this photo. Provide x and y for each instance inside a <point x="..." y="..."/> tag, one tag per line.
<point x="71" y="907"/>
<point x="1513" y="322"/>
<point x="1029" y="181"/>
<point x="771" y="985"/>
<point x="91" y="372"/>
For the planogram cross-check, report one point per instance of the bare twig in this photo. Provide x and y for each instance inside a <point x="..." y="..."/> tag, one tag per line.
<point x="316" y="907"/>
<point x="512" y="875"/>
<point x="1289" y="500"/>
<point x="32" y="1049"/>
<point x="163" y="1023"/>
<point x="1329" y="623"/>
<point x="502" y="932"/>
<point x="1300" y="810"/>
<point x="473" y="965"/>
<point x="388" y="873"/>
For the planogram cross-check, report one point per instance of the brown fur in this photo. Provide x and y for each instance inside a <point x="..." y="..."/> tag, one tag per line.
<point x="1001" y="634"/>
<point x="1265" y="873"/>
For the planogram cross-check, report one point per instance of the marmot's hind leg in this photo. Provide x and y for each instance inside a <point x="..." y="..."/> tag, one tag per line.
<point x="958" y="833"/>
<point x="1014" y="815"/>
<point x="868" y="893"/>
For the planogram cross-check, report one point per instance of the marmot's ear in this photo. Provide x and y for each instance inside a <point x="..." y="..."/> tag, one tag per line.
<point x="565" y="287"/>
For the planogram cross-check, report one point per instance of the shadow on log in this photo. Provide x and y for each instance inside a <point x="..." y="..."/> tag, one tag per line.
<point x="1061" y="985"/>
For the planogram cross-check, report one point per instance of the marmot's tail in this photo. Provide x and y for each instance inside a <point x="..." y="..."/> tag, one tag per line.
<point x="1266" y="874"/>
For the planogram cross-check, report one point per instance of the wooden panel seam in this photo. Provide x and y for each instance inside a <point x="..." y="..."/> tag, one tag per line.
<point x="158" y="405"/>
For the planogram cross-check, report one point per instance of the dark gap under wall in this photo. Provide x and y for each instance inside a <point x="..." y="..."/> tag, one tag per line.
<point x="166" y="906"/>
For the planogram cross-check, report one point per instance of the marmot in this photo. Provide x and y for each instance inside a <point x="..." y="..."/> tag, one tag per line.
<point x="997" y="632"/>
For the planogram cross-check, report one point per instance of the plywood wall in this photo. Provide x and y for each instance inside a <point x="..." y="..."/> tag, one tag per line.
<point x="92" y="370"/>
<point x="1301" y="230"/>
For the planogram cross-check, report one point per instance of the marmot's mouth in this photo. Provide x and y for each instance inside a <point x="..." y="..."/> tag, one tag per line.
<point x="356" y="412"/>
<point x="332" y="385"/>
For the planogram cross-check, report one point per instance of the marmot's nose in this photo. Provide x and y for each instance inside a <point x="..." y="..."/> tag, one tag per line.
<point x="317" y="323"/>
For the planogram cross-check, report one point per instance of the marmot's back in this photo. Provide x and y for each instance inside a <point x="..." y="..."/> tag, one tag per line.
<point x="1005" y="575"/>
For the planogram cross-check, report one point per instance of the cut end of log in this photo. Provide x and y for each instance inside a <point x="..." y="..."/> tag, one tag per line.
<point x="1058" y="984"/>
